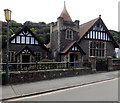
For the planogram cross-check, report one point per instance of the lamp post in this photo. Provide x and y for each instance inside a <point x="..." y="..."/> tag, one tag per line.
<point x="7" y="13"/>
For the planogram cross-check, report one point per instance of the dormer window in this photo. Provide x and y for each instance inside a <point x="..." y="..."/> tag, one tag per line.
<point x="69" y="34"/>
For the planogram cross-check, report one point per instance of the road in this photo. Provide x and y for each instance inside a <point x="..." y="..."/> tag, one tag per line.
<point x="99" y="91"/>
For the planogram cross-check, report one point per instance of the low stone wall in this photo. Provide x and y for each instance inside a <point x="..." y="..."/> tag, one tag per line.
<point x="112" y="64"/>
<point x="116" y="64"/>
<point x="22" y="77"/>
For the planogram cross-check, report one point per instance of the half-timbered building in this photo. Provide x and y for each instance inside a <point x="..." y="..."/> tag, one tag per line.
<point x="69" y="42"/>
<point x="96" y="40"/>
<point x="72" y="42"/>
<point x="24" y="47"/>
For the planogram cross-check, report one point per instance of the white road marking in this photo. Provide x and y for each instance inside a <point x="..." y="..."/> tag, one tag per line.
<point x="62" y="90"/>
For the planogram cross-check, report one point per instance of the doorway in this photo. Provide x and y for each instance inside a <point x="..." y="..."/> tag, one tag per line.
<point x="73" y="59"/>
<point x="25" y="58"/>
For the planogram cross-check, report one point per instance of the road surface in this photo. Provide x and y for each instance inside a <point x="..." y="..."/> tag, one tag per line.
<point x="99" y="91"/>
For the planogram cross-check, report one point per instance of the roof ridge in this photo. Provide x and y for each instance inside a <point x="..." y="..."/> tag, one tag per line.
<point x="90" y="21"/>
<point x="86" y="26"/>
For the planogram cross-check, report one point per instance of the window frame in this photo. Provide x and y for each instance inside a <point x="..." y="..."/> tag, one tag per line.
<point x="69" y="34"/>
<point x="97" y="48"/>
<point x="11" y="56"/>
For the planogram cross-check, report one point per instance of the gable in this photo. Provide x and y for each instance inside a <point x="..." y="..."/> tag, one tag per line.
<point x="25" y="36"/>
<point x="25" y="50"/>
<point x="72" y="47"/>
<point x="86" y="26"/>
<point x="96" y="30"/>
<point x="75" y="48"/>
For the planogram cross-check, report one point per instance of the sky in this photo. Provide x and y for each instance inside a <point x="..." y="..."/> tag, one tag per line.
<point x="49" y="10"/>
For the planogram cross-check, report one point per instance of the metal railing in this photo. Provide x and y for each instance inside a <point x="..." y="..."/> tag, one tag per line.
<point x="40" y="66"/>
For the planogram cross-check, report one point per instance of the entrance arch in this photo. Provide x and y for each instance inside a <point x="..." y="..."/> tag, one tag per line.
<point x="74" y="59"/>
<point x="25" y="58"/>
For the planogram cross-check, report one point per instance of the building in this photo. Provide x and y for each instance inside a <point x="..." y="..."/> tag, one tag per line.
<point x="96" y="39"/>
<point x="0" y="27"/>
<point x="64" y="35"/>
<point x="0" y="41"/>
<point x="117" y="50"/>
<point x="25" y="47"/>
<point x="72" y="42"/>
<point x="69" y="42"/>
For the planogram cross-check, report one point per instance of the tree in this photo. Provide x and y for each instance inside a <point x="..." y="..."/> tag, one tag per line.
<point x="116" y="35"/>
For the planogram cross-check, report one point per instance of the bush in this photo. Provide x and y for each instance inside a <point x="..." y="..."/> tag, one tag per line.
<point x="86" y="63"/>
<point x="47" y="60"/>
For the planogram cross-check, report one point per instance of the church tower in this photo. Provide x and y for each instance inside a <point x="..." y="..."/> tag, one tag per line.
<point x="62" y="33"/>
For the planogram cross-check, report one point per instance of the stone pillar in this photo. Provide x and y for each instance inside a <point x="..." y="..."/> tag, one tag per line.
<point x="109" y="63"/>
<point x="92" y="60"/>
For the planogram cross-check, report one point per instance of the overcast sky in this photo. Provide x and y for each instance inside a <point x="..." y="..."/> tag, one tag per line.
<point x="49" y="10"/>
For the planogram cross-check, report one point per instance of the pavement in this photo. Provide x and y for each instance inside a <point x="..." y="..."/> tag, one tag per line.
<point x="25" y="89"/>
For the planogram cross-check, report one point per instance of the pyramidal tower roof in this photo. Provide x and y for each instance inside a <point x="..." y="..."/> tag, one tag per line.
<point x="65" y="15"/>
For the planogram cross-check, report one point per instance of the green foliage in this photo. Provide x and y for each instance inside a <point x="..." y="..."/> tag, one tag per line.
<point x="40" y="29"/>
<point x="13" y="28"/>
<point x="116" y="35"/>
<point x="86" y="63"/>
<point x="47" y="60"/>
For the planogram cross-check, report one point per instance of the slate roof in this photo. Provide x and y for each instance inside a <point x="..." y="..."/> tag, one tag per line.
<point x="86" y="26"/>
<point x="69" y="46"/>
<point x="83" y="29"/>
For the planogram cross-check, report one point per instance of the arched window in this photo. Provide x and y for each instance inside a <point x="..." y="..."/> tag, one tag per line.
<point x="69" y="34"/>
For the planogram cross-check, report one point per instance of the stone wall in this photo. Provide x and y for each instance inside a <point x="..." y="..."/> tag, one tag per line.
<point x="18" y="47"/>
<point x="112" y="64"/>
<point x="110" y="49"/>
<point x="116" y="64"/>
<point x="84" y="44"/>
<point x="22" y="77"/>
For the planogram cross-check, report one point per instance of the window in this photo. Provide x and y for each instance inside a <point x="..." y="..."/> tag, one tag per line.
<point x="13" y="41"/>
<point x="27" y="40"/>
<point x="98" y="35"/>
<point x="97" y="48"/>
<point x="26" y="51"/>
<point x="12" y="56"/>
<point x="94" y="35"/>
<point x="36" y="42"/>
<point x="38" y="56"/>
<point x="32" y="40"/>
<point x="75" y="48"/>
<point x="98" y="32"/>
<point x="69" y="34"/>
<point x="18" y="39"/>
<point x="23" y="40"/>
<point x="54" y="54"/>
<point x="91" y="34"/>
